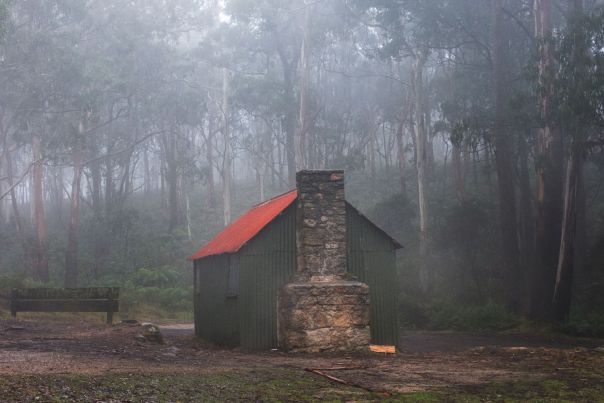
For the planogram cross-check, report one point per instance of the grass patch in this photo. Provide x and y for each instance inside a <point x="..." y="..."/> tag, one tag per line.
<point x="562" y="389"/>
<point x="276" y="386"/>
<point x="152" y="313"/>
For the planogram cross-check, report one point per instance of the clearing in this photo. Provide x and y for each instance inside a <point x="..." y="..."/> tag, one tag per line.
<point x="81" y="360"/>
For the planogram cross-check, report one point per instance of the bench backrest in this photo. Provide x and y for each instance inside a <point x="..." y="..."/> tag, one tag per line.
<point x="96" y="299"/>
<point x="66" y="293"/>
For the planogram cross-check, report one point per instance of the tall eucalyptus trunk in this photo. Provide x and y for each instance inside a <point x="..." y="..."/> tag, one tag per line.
<point x="73" y="230"/>
<point x="289" y="120"/>
<point x="566" y="259"/>
<point x="227" y="160"/>
<point x="302" y="131"/>
<point x="171" y="177"/>
<point x="572" y="231"/>
<point x="512" y="271"/>
<point x="458" y="171"/>
<point x="549" y="173"/>
<point x="8" y="164"/>
<point x="209" y="148"/>
<point x="526" y="217"/>
<point x="422" y="164"/>
<point x="40" y="260"/>
<point x="402" y="161"/>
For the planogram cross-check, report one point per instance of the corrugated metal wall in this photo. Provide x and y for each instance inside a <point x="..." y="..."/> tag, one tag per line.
<point x="267" y="263"/>
<point x="372" y="259"/>
<point x="216" y="311"/>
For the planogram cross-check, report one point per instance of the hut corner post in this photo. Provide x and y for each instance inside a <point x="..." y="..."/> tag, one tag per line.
<point x="322" y="309"/>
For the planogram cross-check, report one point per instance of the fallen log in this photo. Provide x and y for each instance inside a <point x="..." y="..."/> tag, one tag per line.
<point x="336" y="368"/>
<point x="344" y="382"/>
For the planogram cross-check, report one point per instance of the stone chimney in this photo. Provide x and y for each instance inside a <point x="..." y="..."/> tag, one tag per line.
<point x="322" y="309"/>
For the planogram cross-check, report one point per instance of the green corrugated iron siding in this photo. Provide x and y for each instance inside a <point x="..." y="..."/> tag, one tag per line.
<point x="216" y="311"/>
<point x="372" y="259"/>
<point x="267" y="263"/>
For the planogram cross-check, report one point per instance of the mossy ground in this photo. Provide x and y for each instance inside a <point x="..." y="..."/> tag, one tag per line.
<point x="571" y="387"/>
<point x="85" y="361"/>
<point x="275" y="385"/>
<point x="282" y="385"/>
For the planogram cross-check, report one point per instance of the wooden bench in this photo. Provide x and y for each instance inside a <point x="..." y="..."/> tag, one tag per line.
<point x="97" y="299"/>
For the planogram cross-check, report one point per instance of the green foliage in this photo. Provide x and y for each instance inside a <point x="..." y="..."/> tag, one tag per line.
<point x="3" y="17"/>
<point x="490" y="316"/>
<point x="451" y="315"/>
<point x="160" y="287"/>
<point x="173" y="300"/>
<point x="155" y="277"/>
<point x="8" y="282"/>
<point x="579" y="79"/>
<point x="18" y="281"/>
<point x="587" y="324"/>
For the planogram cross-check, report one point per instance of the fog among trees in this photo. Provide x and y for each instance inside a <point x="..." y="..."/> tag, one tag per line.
<point x="132" y="131"/>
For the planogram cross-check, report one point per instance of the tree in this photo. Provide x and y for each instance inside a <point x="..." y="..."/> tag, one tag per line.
<point x="71" y="254"/>
<point x="40" y="255"/>
<point x="227" y="153"/>
<point x="281" y="31"/>
<point x="579" y="101"/>
<point x="513" y="276"/>
<point x="548" y="168"/>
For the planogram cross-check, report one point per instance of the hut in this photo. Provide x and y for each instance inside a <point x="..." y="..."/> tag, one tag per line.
<point x="240" y="275"/>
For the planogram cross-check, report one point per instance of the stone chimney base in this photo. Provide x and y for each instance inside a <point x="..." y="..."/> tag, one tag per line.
<point x="324" y="316"/>
<point x="321" y="310"/>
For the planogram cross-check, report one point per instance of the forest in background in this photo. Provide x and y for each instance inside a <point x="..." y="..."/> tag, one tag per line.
<point x="132" y="131"/>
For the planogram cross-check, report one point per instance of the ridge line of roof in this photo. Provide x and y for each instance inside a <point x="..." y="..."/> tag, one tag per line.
<point x="274" y="198"/>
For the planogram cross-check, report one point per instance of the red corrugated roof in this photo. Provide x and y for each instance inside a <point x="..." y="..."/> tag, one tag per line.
<point x="234" y="236"/>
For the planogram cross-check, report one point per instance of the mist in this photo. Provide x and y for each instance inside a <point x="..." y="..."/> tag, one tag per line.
<point x="134" y="131"/>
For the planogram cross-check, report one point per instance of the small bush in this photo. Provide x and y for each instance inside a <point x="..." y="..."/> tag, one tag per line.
<point x="19" y="281"/>
<point x="454" y="316"/>
<point x="175" y="299"/>
<point x="159" y="287"/>
<point x="8" y="282"/>
<point x="490" y="316"/>
<point x="586" y="324"/>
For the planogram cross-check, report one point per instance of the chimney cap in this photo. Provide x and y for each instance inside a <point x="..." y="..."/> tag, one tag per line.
<point x="320" y="175"/>
<point x="319" y="171"/>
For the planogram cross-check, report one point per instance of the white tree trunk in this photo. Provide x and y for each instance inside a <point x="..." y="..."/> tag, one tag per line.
<point x="301" y="146"/>
<point x="227" y="161"/>
<point x="422" y="161"/>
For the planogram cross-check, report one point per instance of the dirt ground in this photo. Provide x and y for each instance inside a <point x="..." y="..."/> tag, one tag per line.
<point x="427" y="361"/>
